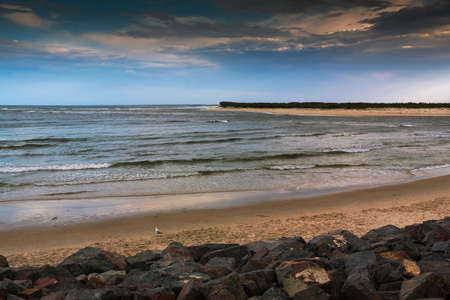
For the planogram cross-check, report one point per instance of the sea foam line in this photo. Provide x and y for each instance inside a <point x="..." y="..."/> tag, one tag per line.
<point x="53" y="168"/>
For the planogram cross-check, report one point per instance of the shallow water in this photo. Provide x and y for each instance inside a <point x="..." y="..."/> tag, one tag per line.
<point x="63" y="153"/>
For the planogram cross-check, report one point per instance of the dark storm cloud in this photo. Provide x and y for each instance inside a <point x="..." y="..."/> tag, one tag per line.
<point x="295" y="6"/>
<point x="409" y="20"/>
<point x="158" y="25"/>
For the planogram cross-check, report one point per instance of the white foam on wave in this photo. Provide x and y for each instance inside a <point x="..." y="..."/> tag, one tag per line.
<point x="432" y="168"/>
<point x="53" y="168"/>
<point x="290" y="167"/>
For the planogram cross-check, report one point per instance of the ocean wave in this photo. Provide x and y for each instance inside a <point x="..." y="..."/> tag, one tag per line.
<point x="432" y="167"/>
<point x="150" y="163"/>
<point x="72" y="167"/>
<point x="25" y="146"/>
<point x="289" y="167"/>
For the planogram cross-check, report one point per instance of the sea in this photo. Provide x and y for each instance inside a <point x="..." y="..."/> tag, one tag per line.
<point x="76" y="153"/>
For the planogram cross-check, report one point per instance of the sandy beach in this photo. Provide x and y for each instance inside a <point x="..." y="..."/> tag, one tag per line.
<point x="393" y="112"/>
<point x="357" y="210"/>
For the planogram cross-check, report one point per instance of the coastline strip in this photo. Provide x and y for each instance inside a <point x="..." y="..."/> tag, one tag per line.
<point x="393" y="112"/>
<point x="358" y="210"/>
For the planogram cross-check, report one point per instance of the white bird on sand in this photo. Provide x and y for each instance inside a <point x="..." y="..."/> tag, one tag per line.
<point x="157" y="231"/>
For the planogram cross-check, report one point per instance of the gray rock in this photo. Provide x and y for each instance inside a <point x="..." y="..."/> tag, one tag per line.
<point x="274" y="293"/>
<point x="442" y="247"/>
<point x="386" y="273"/>
<point x="11" y="287"/>
<point x="361" y="259"/>
<point x="380" y="234"/>
<point x="191" y="291"/>
<point x="426" y="285"/>
<point x="264" y="279"/>
<point x="156" y="294"/>
<point x="238" y="253"/>
<point x="359" y="287"/>
<point x="312" y="293"/>
<point x="197" y="252"/>
<point x="93" y="260"/>
<point x="77" y="294"/>
<point x="144" y="257"/>
<point x="50" y="272"/>
<point x="7" y="273"/>
<point x="3" y="262"/>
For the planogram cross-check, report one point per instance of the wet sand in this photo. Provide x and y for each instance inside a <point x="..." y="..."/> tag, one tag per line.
<point x="394" y="112"/>
<point x="358" y="210"/>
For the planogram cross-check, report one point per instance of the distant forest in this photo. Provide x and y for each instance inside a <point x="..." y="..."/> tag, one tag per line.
<point x="322" y="105"/>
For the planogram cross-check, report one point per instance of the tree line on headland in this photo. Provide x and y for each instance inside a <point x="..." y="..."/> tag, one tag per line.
<point x="323" y="105"/>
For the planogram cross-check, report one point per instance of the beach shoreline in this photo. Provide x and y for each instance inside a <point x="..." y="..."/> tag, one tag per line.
<point x="357" y="210"/>
<point x="386" y="112"/>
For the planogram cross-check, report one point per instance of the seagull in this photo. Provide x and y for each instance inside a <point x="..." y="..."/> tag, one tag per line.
<point x="157" y="231"/>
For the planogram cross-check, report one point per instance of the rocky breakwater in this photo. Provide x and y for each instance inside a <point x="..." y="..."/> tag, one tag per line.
<point x="386" y="263"/>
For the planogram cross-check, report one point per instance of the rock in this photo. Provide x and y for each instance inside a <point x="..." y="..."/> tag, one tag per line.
<point x="390" y="286"/>
<point x="434" y="266"/>
<point x="252" y="265"/>
<point x="418" y="231"/>
<point x="112" y="277"/>
<point x="394" y="255"/>
<point x="142" y="258"/>
<point x="386" y="273"/>
<point x="427" y="285"/>
<point x="359" y="287"/>
<point x="191" y="291"/>
<point x="23" y="272"/>
<point x="156" y="294"/>
<point x="34" y="292"/>
<point x="238" y="253"/>
<point x="436" y="235"/>
<point x="176" y="250"/>
<point x="315" y="277"/>
<point x="409" y="248"/>
<point x="95" y="283"/>
<point x="197" y="252"/>
<point x="264" y="279"/>
<point x="274" y="293"/>
<point x="66" y="285"/>
<point x="442" y="247"/>
<point x="382" y="233"/>
<point x="47" y="271"/>
<point x="293" y="286"/>
<point x="312" y="293"/>
<point x="45" y="282"/>
<point x="409" y="268"/>
<point x="288" y="267"/>
<point x="7" y="273"/>
<point x="55" y="296"/>
<point x="214" y="271"/>
<point x="122" y="293"/>
<point x="3" y="262"/>
<point x="11" y="287"/>
<point x="228" y="287"/>
<point x="338" y="278"/>
<point x="77" y="294"/>
<point x="93" y="260"/>
<point x="361" y="259"/>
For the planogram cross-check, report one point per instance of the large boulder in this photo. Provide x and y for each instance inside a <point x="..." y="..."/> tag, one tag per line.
<point x="197" y="252"/>
<point x="238" y="253"/>
<point x="3" y="262"/>
<point x="93" y="260"/>
<point x="176" y="250"/>
<point x="426" y="285"/>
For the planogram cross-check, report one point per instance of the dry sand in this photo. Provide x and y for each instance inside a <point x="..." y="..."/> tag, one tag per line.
<point x="358" y="210"/>
<point x="394" y="112"/>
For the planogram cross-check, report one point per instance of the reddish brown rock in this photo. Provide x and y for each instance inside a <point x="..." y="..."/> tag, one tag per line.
<point x="214" y="271"/>
<point x="191" y="291"/>
<point x="95" y="283"/>
<point x="31" y="293"/>
<point x="44" y="282"/>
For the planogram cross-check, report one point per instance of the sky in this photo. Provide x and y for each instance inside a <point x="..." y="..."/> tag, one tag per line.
<point x="115" y="52"/>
